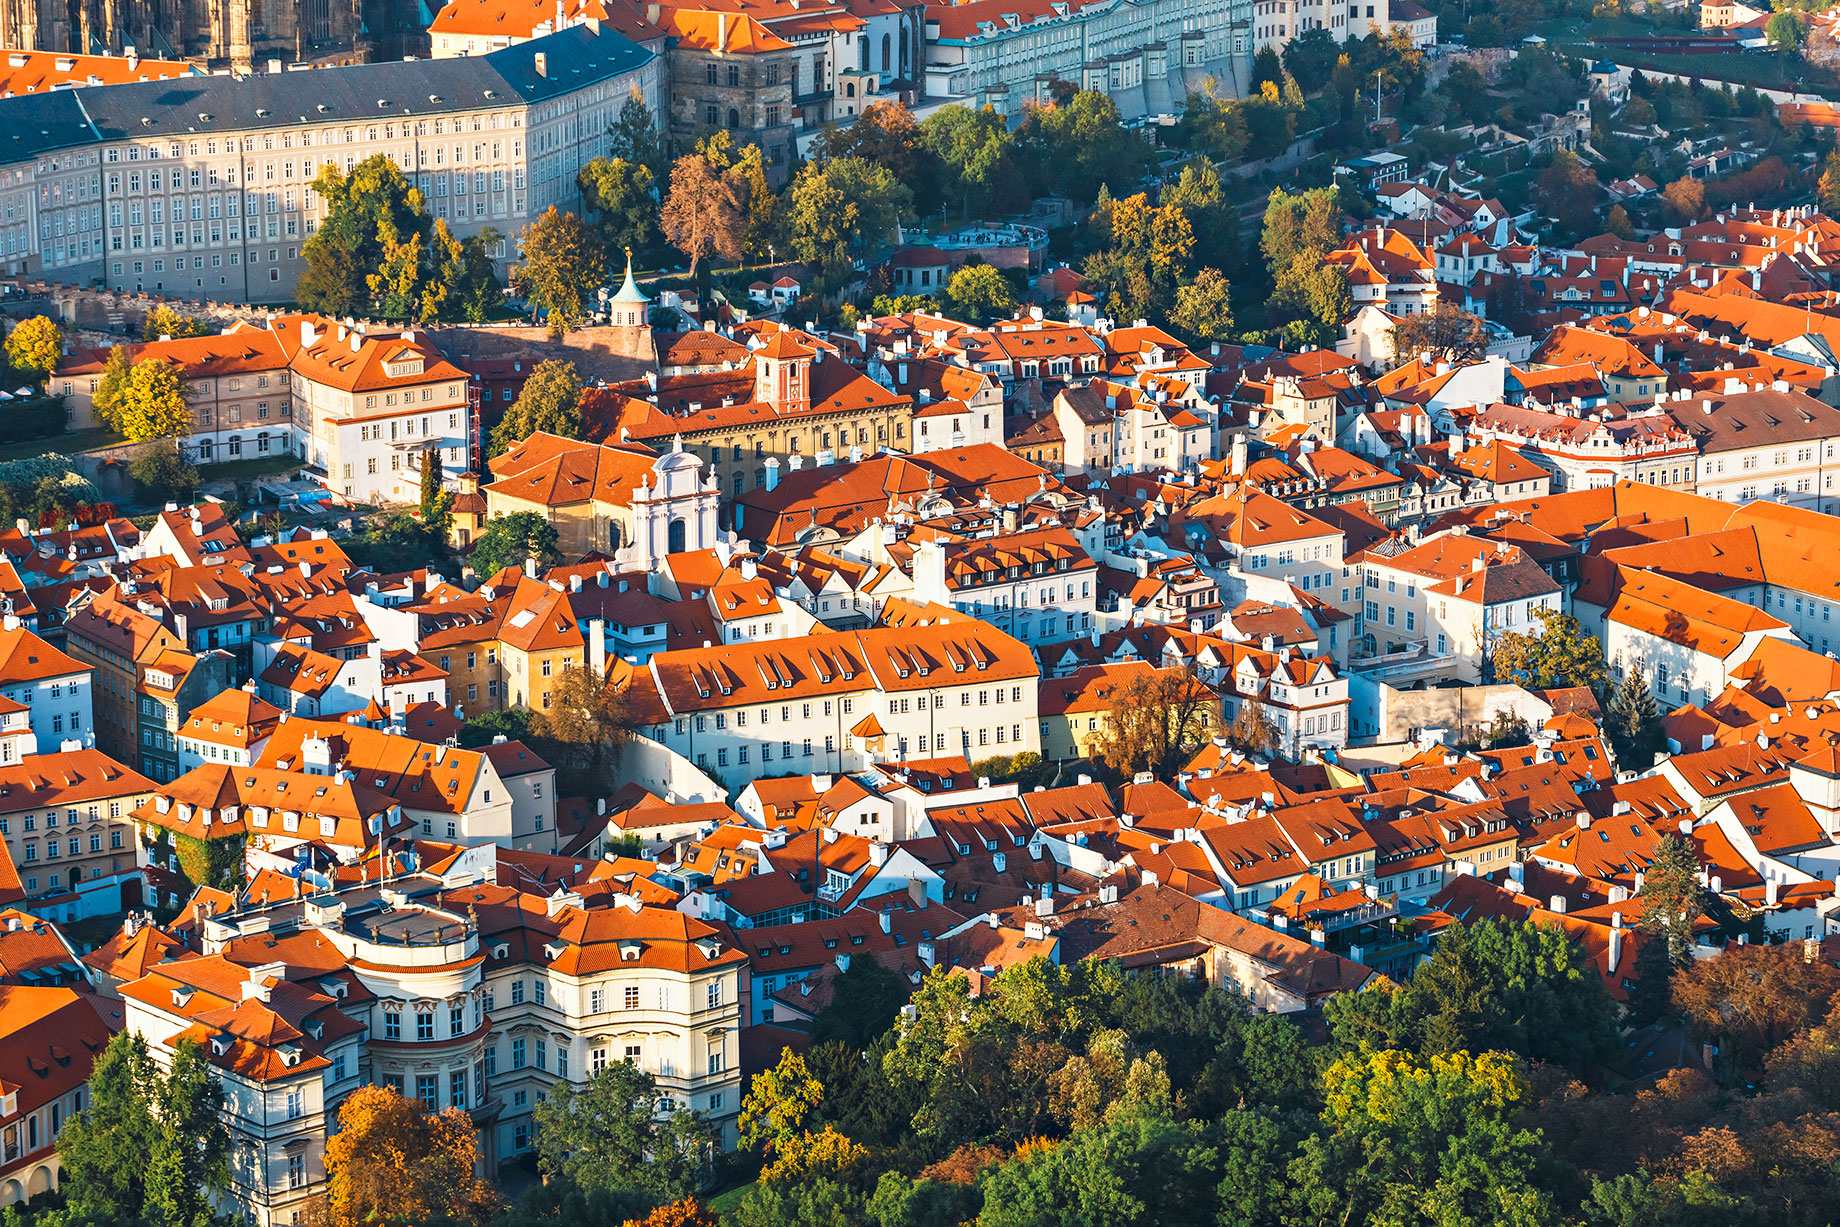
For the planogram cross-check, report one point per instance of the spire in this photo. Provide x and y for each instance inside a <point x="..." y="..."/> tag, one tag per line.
<point x="629" y="289"/>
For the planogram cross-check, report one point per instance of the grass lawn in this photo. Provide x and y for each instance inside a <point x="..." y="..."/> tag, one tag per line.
<point x="1735" y="67"/>
<point x="253" y="466"/>
<point x="724" y="1203"/>
<point x="64" y="445"/>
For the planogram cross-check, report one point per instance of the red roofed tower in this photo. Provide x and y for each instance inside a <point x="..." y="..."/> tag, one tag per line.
<point x="782" y="373"/>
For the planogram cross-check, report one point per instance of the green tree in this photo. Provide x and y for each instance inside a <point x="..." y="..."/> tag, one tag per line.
<point x="1672" y="898"/>
<point x="608" y="1135"/>
<point x="436" y="503"/>
<point x="397" y="542"/>
<point x="866" y="997"/>
<point x="1302" y="226"/>
<point x="561" y="268"/>
<point x="1142" y="1170"/>
<point x="1204" y="307"/>
<point x="1212" y="126"/>
<point x="163" y="321"/>
<point x="1632" y="721"/>
<point x="1786" y="31"/>
<point x="162" y="475"/>
<point x="1558" y="653"/>
<point x="106" y="1150"/>
<point x="975" y="148"/>
<point x="190" y="1163"/>
<point x="550" y="403"/>
<point x="509" y="540"/>
<point x="1267" y="67"/>
<point x="978" y="293"/>
<point x="1076" y="147"/>
<point x="624" y="199"/>
<point x="35" y="346"/>
<point x="759" y="206"/>
<point x="843" y="211"/>
<point x="151" y="1148"/>
<point x="367" y="216"/>
<point x="512" y="723"/>
<point x="1404" y="1139"/>
<point x="635" y="135"/>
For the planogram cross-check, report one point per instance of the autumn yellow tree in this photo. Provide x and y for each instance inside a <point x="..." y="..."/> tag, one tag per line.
<point x="35" y="345"/>
<point x="686" y="1213"/>
<point x="394" y="1162"/>
<point x="1154" y="720"/>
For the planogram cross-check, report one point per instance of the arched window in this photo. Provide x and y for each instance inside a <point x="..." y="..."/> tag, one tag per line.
<point x="886" y="44"/>
<point x="674" y="537"/>
<point x="862" y="60"/>
<point x="734" y="118"/>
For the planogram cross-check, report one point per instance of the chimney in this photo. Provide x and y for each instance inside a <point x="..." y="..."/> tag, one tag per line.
<point x="1556" y="904"/>
<point x="1616" y="940"/>
<point x="542" y="64"/>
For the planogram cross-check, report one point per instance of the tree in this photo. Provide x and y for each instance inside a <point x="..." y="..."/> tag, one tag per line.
<point x="1750" y="999"/>
<point x="1786" y="31"/>
<point x="1685" y="199"/>
<point x="561" y="269"/>
<point x="116" y="373"/>
<point x="106" y="1151"/>
<point x="760" y="207"/>
<point x="1252" y="731"/>
<point x="1632" y="721"/>
<point x="35" y="345"/>
<point x="398" y="542"/>
<point x="549" y="403"/>
<point x="1447" y="332"/>
<point x="975" y="148"/>
<point x="1557" y="654"/>
<point x="1077" y="146"/>
<point x="635" y="135"/>
<point x="624" y="199"/>
<point x="392" y="1161"/>
<point x="886" y="133"/>
<point x="163" y="321"/>
<point x="585" y="719"/>
<point x="1204" y="307"/>
<point x="1409" y="1139"/>
<point x="1828" y="190"/>
<point x="866" y="998"/>
<point x="1267" y="67"/>
<point x="704" y="214"/>
<point x="608" y="1135"/>
<point x="1138" y="1171"/>
<point x="1672" y="898"/>
<point x="163" y="475"/>
<point x="978" y="293"/>
<point x="779" y="1103"/>
<point x="686" y="1212"/>
<point x="154" y="403"/>
<point x="1306" y="225"/>
<point x="1617" y="222"/>
<point x="369" y="216"/>
<point x="436" y="504"/>
<point x="509" y="540"/>
<point x="1313" y="293"/>
<point x="1155" y="720"/>
<point x="511" y="723"/>
<point x="1211" y="126"/>
<point x="843" y="211"/>
<point x="190" y="1163"/>
<point x="1568" y="188"/>
<point x="152" y="1148"/>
